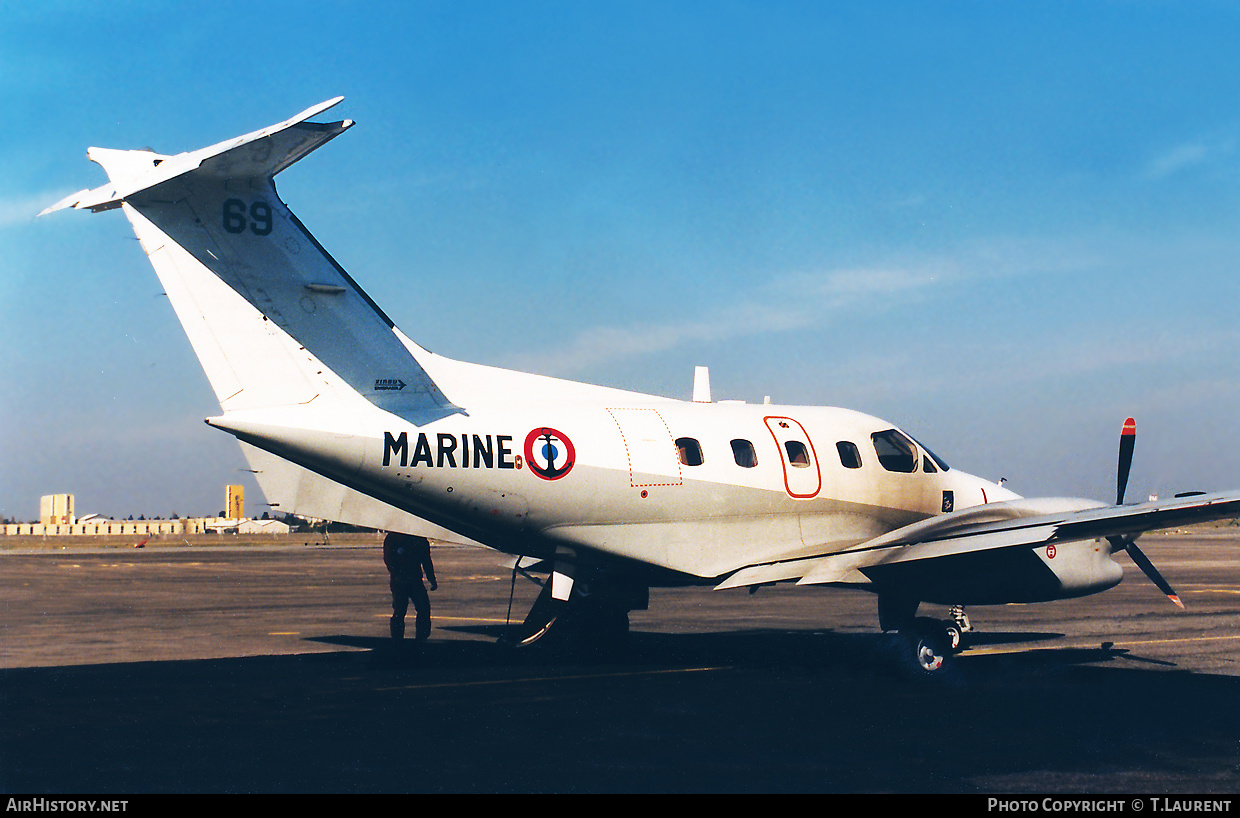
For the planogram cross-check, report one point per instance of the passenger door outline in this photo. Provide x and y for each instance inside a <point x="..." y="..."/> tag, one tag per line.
<point x="801" y="482"/>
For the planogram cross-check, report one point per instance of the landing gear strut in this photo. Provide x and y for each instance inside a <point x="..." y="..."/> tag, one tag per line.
<point x="957" y="627"/>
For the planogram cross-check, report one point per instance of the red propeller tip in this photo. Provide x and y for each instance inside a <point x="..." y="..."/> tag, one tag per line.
<point x="1130" y="427"/>
<point x="1176" y="600"/>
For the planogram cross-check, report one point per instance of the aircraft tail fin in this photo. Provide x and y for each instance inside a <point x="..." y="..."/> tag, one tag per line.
<point x="272" y="317"/>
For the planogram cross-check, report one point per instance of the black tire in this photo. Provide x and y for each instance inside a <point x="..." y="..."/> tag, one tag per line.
<point x="927" y="649"/>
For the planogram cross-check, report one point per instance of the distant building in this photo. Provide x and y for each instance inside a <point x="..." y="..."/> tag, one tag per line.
<point x="56" y="509"/>
<point x="56" y="519"/>
<point x="234" y="503"/>
<point x="226" y="526"/>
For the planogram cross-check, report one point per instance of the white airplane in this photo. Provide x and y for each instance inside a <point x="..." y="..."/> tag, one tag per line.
<point x="606" y="492"/>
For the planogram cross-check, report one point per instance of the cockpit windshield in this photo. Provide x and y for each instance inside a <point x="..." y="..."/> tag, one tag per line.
<point x="899" y="453"/>
<point x="895" y="451"/>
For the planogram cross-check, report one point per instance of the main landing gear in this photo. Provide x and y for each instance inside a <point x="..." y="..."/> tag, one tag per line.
<point x="923" y="645"/>
<point x="579" y="614"/>
<point x="958" y="627"/>
<point x="581" y="620"/>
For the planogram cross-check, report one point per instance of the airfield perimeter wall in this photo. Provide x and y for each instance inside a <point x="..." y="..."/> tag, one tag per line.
<point x="143" y="528"/>
<point x="191" y="525"/>
<point x="209" y="539"/>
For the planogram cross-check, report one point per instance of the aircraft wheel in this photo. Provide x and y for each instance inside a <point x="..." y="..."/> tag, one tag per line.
<point x="954" y="635"/>
<point x="927" y="649"/>
<point x="539" y="622"/>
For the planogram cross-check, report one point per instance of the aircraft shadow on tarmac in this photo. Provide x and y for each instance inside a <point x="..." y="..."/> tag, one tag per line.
<point x="778" y="710"/>
<point x="769" y="649"/>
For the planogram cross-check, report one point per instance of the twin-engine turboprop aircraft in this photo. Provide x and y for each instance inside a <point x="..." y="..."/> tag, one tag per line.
<point x="608" y="492"/>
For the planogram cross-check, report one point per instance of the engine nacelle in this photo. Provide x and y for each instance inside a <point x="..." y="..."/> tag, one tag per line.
<point x="1003" y="575"/>
<point x="1083" y="567"/>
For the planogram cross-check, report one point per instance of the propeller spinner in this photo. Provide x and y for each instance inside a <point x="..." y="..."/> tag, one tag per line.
<point x="1127" y="440"/>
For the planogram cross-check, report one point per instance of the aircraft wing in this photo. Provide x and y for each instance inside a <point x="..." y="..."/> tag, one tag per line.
<point x="1023" y="523"/>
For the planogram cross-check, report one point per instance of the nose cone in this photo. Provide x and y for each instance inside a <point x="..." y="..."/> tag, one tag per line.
<point x="971" y="490"/>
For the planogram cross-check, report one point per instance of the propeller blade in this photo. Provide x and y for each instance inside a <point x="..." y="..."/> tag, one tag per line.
<point x="1127" y="440"/>
<point x="1143" y="562"/>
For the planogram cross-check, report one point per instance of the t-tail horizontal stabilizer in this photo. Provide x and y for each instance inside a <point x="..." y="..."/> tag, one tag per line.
<point x="213" y="215"/>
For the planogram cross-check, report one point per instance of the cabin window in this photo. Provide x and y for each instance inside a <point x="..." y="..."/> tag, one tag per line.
<point x="850" y="455"/>
<point x="744" y="453"/>
<point x="798" y="455"/>
<point x="927" y="465"/>
<point x="689" y="451"/>
<point x="895" y="451"/>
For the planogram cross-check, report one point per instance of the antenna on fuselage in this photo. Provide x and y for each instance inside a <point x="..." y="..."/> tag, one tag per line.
<point x="701" y="384"/>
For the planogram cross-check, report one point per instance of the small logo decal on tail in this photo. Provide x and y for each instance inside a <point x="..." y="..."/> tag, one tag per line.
<point x="389" y="384"/>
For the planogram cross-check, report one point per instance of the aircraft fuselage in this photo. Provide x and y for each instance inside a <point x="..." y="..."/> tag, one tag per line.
<point x="699" y="489"/>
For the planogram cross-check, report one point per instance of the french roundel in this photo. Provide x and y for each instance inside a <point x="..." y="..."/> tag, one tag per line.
<point x="549" y="453"/>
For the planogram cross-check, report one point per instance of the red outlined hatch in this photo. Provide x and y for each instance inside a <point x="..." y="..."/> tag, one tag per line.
<point x="802" y="478"/>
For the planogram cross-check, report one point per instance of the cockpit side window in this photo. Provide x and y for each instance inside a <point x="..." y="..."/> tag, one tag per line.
<point x="938" y="461"/>
<point x="744" y="453"/>
<point x="895" y="451"/>
<point x="689" y="451"/>
<point x="850" y="455"/>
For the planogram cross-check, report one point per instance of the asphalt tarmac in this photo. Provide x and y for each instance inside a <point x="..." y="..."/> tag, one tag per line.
<point x="267" y="669"/>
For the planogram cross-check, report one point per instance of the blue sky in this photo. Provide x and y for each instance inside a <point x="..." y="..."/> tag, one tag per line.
<point x="1002" y="226"/>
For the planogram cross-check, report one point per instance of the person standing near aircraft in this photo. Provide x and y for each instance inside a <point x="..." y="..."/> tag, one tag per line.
<point x="406" y="558"/>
